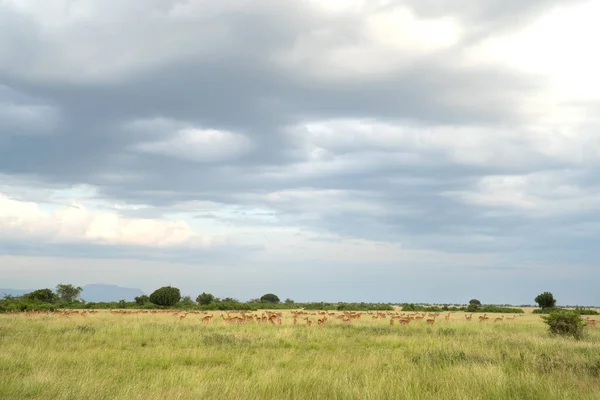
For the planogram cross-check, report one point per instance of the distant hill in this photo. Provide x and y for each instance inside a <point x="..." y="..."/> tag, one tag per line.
<point x="101" y="292"/>
<point x="13" y="292"/>
<point x="94" y="292"/>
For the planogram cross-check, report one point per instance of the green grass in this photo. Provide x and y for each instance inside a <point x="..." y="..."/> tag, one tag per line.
<point x="148" y="356"/>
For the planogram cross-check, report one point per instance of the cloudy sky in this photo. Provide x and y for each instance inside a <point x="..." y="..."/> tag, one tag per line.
<point x="358" y="150"/>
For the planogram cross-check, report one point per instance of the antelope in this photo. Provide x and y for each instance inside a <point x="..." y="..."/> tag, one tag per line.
<point x="498" y="319"/>
<point x="207" y="319"/>
<point x="431" y="321"/>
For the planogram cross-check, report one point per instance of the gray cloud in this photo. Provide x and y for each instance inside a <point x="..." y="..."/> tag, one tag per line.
<point x="112" y="91"/>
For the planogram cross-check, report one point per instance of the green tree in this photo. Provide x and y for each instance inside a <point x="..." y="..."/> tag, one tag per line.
<point x="475" y="301"/>
<point x="165" y="296"/>
<point x="43" y="295"/>
<point x="68" y="293"/>
<point x="205" y="299"/>
<point x="141" y="300"/>
<point x="270" y="298"/>
<point x="546" y="300"/>
<point x="186" y="301"/>
<point x="289" y="301"/>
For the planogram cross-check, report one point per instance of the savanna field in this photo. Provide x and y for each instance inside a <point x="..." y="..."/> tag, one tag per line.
<point x="146" y="355"/>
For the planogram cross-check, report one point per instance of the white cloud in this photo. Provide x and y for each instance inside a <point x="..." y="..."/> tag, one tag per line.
<point x="347" y="141"/>
<point x="539" y="194"/>
<point x="201" y="145"/>
<point x="384" y="41"/>
<point x="75" y="224"/>
<point x="557" y="52"/>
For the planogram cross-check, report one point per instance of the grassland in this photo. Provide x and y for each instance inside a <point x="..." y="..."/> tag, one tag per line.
<point x="154" y="356"/>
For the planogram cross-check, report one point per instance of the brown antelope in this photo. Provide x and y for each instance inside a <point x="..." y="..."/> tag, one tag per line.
<point x="590" y="322"/>
<point x="431" y="321"/>
<point x="207" y="319"/>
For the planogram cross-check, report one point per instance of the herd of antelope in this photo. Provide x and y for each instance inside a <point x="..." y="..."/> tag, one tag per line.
<point x="276" y="318"/>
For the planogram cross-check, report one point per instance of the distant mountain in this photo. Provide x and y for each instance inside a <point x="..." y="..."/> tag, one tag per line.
<point x="94" y="292"/>
<point x="13" y="292"/>
<point x="101" y="292"/>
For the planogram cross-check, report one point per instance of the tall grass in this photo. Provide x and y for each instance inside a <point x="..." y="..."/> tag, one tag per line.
<point x="145" y="356"/>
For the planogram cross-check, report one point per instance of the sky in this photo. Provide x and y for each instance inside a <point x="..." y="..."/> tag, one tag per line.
<point x="359" y="150"/>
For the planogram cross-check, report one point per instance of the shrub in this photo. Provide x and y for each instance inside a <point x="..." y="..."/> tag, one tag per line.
<point x="546" y="300"/>
<point x="503" y="310"/>
<point x="186" y="303"/>
<point x="580" y="311"/>
<point x="141" y="300"/>
<point x="472" y="307"/>
<point x="565" y="323"/>
<point x="166" y="296"/>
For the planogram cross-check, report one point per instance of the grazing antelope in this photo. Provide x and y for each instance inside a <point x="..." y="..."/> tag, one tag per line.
<point x="431" y="321"/>
<point x="207" y="319"/>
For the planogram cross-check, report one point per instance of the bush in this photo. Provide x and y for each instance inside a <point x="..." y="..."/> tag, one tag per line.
<point x="141" y="300"/>
<point x="501" y="310"/>
<point x="472" y="307"/>
<point x="565" y="323"/>
<point x="166" y="296"/>
<point x="580" y="311"/>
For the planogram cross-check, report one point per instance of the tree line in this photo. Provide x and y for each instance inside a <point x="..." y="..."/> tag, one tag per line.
<point x="69" y="296"/>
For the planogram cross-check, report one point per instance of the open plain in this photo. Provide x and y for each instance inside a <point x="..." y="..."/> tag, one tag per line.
<point x="174" y="355"/>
